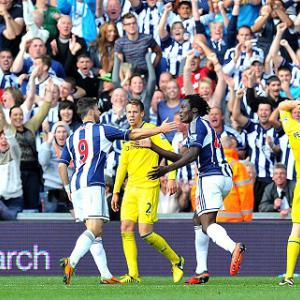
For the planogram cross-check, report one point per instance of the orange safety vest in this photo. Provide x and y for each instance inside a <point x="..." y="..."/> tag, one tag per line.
<point x="238" y="205"/>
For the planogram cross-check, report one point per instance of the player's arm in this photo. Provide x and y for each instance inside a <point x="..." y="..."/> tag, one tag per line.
<point x="288" y="105"/>
<point x="65" y="159"/>
<point x="142" y="133"/>
<point x="189" y="157"/>
<point x="120" y="177"/>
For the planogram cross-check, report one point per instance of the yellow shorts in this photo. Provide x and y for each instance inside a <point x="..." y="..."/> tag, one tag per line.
<point x="296" y="204"/>
<point x="140" y="205"/>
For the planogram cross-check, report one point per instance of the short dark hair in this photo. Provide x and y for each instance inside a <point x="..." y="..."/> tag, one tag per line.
<point x="246" y="26"/>
<point x="128" y="16"/>
<point x="184" y="2"/>
<point x="66" y="104"/>
<point x="46" y="60"/>
<point x="72" y="82"/>
<point x="280" y="166"/>
<point x="138" y="103"/>
<point x="6" y="50"/>
<point x="198" y="102"/>
<point x="135" y="75"/>
<point x="84" y="104"/>
<point x="284" y="68"/>
<point x="83" y="55"/>
<point x="271" y="79"/>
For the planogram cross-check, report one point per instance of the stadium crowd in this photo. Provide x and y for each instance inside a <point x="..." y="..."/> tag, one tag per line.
<point x="241" y="56"/>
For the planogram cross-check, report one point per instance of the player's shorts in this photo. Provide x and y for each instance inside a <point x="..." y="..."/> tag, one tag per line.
<point x="296" y="204"/>
<point x="140" y="205"/>
<point x="211" y="190"/>
<point x="90" y="203"/>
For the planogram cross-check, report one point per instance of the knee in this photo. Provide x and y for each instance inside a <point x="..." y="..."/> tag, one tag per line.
<point x="127" y="227"/>
<point x="96" y="232"/>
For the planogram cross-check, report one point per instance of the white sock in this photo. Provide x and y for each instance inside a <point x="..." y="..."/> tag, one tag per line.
<point x="99" y="255"/>
<point x="83" y="245"/>
<point x="201" y="246"/>
<point x="219" y="236"/>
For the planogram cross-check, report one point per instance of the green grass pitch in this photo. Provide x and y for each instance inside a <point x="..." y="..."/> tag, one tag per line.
<point x="161" y="288"/>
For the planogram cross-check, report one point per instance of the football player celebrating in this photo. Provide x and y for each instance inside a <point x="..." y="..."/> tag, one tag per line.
<point x="87" y="147"/>
<point x="214" y="179"/>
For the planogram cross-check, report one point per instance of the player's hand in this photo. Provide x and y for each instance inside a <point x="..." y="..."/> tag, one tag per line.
<point x="167" y="127"/>
<point x="171" y="186"/>
<point x="157" y="172"/>
<point x="115" y="202"/>
<point x="144" y="143"/>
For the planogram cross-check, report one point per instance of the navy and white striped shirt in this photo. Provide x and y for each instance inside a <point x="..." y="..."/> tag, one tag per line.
<point x="287" y="157"/>
<point x="8" y="80"/>
<point x="230" y="68"/>
<point x="88" y="147"/>
<point x="211" y="160"/>
<point x="260" y="153"/>
<point x="174" y="52"/>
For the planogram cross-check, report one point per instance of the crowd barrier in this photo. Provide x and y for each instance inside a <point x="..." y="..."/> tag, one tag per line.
<point x="34" y="247"/>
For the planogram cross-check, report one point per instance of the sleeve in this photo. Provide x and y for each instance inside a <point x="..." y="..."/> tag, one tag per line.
<point x="229" y="65"/>
<point x="267" y="201"/>
<point x="65" y="157"/>
<point x="112" y="133"/>
<point x="249" y="127"/>
<point x="121" y="171"/>
<point x="118" y="46"/>
<point x="44" y="154"/>
<point x="161" y="141"/>
<point x="197" y="138"/>
<point x="231" y="32"/>
<point x="166" y="42"/>
<point x="13" y="143"/>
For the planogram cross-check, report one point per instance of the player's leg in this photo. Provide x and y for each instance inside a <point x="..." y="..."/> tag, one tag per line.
<point x="293" y="245"/>
<point x="97" y="250"/>
<point x="129" y="215"/>
<point x="210" y="201"/>
<point x="201" y="246"/>
<point x="147" y="216"/>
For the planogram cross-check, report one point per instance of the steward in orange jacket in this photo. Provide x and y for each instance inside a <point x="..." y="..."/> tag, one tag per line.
<point x="238" y="205"/>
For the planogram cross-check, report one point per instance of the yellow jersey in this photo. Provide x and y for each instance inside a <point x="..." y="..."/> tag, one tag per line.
<point x="137" y="162"/>
<point x="292" y="129"/>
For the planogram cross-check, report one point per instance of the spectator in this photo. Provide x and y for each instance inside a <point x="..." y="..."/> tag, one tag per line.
<point x="11" y="24"/>
<point x="25" y="135"/>
<point x="278" y="195"/>
<point x="102" y="50"/>
<point x="149" y="14"/>
<point x="49" y="156"/>
<point x="137" y="87"/>
<point x="11" y="201"/>
<point x="262" y="144"/>
<point x="166" y="109"/>
<point x="238" y="204"/>
<point x="34" y="20"/>
<point x="51" y="16"/>
<point x="173" y="45"/>
<point x="133" y="47"/>
<point x="85" y="78"/>
<point x="164" y="78"/>
<point x="67" y="114"/>
<point x="36" y="48"/>
<point x="66" y="47"/>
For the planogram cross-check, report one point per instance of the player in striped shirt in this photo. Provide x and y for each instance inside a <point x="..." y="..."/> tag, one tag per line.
<point x="215" y="175"/>
<point x="87" y="147"/>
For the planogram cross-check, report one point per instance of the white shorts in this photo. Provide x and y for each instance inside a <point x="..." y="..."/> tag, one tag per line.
<point x="211" y="190"/>
<point x="90" y="203"/>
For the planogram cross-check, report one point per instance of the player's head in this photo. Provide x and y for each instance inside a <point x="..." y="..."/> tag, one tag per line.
<point x="135" y="112"/>
<point x="87" y="109"/>
<point x="192" y="106"/>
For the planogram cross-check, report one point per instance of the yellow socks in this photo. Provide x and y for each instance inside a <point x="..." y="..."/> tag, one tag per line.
<point x="161" y="245"/>
<point x="293" y="248"/>
<point x="130" y="252"/>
